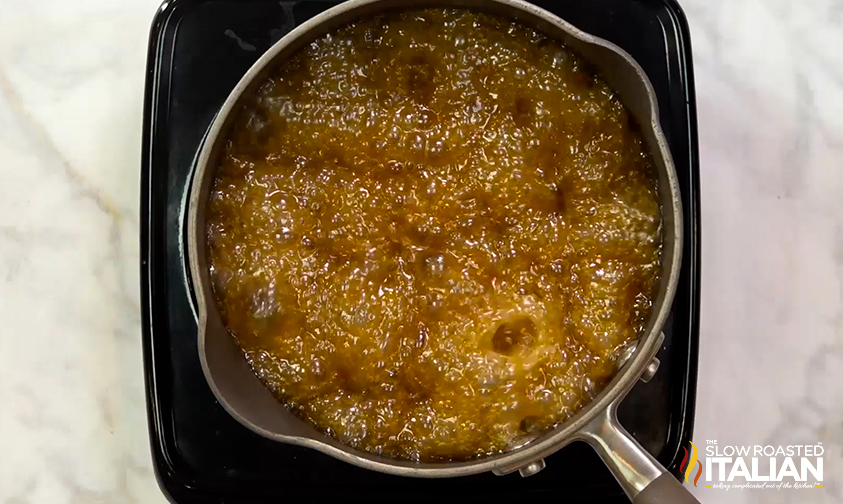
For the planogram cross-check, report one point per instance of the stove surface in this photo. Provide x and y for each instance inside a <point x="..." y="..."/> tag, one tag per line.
<point x="198" y="51"/>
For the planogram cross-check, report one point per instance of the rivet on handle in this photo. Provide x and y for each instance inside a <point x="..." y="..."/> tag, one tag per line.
<point x="650" y="370"/>
<point x="532" y="468"/>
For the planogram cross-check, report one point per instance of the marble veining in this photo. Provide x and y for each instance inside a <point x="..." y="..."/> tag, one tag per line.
<point x="769" y="77"/>
<point x="770" y="103"/>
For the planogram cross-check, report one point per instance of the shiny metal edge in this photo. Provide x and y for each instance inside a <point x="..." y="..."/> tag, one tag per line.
<point x="632" y="466"/>
<point x="556" y="439"/>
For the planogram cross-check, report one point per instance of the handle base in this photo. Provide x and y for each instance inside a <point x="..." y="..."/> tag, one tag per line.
<point x="665" y="490"/>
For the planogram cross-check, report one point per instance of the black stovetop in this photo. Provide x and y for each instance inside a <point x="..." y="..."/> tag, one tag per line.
<point x="198" y="51"/>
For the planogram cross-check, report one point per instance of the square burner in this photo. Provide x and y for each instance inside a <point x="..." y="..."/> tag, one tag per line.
<point x="198" y="51"/>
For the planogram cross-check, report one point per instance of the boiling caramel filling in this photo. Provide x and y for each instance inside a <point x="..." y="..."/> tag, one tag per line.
<point x="431" y="232"/>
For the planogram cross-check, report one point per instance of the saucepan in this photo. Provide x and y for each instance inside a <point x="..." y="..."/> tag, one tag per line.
<point x="243" y="395"/>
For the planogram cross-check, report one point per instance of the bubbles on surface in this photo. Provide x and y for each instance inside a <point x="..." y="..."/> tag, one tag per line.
<point x="431" y="231"/>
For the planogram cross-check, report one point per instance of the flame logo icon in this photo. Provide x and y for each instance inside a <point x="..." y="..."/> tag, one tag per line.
<point x="688" y="465"/>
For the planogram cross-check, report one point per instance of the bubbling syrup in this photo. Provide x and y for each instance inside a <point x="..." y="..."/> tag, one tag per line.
<point x="431" y="231"/>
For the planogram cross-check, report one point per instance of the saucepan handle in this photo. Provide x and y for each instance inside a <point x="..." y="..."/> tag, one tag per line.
<point x="643" y="479"/>
<point x="664" y="490"/>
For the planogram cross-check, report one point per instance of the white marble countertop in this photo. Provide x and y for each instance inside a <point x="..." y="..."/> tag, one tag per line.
<point x="769" y="77"/>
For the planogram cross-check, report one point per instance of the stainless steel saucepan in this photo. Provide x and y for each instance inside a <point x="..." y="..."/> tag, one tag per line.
<point x="243" y="395"/>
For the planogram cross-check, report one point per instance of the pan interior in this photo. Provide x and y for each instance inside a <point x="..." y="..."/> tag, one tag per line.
<point x="232" y="379"/>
